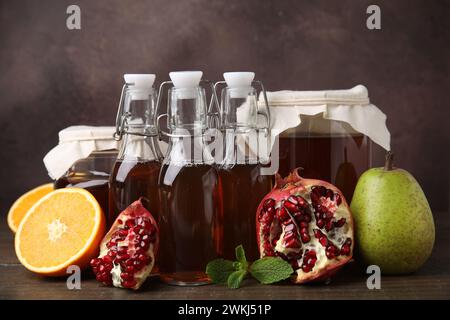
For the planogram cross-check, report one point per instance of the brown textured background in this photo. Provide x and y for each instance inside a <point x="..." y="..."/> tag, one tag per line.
<point x="51" y="77"/>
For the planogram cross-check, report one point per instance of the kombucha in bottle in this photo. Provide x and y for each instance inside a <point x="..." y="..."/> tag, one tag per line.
<point x="135" y="172"/>
<point x="189" y="187"/>
<point x="243" y="184"/>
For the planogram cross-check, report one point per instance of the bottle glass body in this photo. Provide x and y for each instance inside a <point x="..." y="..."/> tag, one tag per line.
<point x="243" y="185"/>
<point x="190" y="195"/>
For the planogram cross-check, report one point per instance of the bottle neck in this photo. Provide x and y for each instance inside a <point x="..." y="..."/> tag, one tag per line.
<point x="139" y="148"/>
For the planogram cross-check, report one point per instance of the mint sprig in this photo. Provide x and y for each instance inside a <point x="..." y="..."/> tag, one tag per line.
<point x="266" y="270"/>
<point x="219" y="270"/>
<point x="270" y="269"/>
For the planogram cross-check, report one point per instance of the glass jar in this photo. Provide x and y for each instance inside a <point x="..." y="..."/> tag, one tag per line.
<point x="91" y="173"/>
<point x="326" y="149"/>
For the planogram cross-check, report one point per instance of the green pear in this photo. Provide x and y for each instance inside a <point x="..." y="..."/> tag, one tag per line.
<point x="393" y="221"/>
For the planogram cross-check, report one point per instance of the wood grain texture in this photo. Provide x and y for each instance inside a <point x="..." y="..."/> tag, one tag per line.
<point x="431" y="282"/>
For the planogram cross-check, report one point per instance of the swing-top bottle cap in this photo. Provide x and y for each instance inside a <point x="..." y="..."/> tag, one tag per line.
<point x="186" y="83"/>
<point x="239" y="82"/>
<point x="140" y="84"/>
<point x="139" y="80"/>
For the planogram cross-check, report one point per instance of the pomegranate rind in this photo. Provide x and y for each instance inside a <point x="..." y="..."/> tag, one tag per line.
<point x="294" y="184"/>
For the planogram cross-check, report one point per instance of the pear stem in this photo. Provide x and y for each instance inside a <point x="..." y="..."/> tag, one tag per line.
<point x="389" y="164"/>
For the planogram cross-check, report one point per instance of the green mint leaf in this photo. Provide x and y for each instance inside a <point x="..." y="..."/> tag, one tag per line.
<point x="270" y="269"/>
<point x="235" y="279"/>
<point x="240" y="256"/>
<point x="219" y="270"/>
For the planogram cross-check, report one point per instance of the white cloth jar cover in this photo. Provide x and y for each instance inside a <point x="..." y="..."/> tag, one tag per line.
<point x="351" y="106"/>
<point x="75" y="143"/>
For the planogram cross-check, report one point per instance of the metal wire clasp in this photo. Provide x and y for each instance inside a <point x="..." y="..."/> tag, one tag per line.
<point x="211" y="113"/>
<point x="122" y="116"/>
<point x="265" y="114"/>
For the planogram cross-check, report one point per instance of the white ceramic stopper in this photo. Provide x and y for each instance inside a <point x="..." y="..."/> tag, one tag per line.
<point x="240" y="83"/>
<point x="186" y="83"/>
<point x="139" y="80"/>
<point x="139" y="85"/>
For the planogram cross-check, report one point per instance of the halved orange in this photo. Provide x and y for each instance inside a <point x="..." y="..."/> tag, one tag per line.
<point x="63" y="228"/>
<point x="24" y="203"/>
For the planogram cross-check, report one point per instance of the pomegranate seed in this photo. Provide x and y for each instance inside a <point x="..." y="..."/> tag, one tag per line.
<point x="107" y="259"/>
<point x="331" y="251"/>
<point x="129" y="283"/>
<point x="338" y="199"/>
<point x="126" y="276"/>
<point x="123" y="233"/>
<point x="119" y="221"/>
<point x="289" y="235"/>
<point x="142" y="258"/>
<point x="329" y="194"/>
<point x="268" y="204"/>
<point x="320" y="223"/>
<point x="305" y="238"/>
<point x="290" y="206"/>
<point x="323" y="241"/>
<point x="315" y="197"/>
<point x="306" y="268"/>
<point x="339" y="223"/>
<point x="282" y="214"/>
<point x="265" y="229"/>
<point x="289" y="228"/>
<point x="345" y="250"/>
<point x="129" y="269"/>
<point x="322" y="190"/>
<point x="112" y="253"/>
<point x="271" y="212"/>
<point x="302" y="202"/>
<point x="329" y="225"/>
<point x="267" y="246"/>
<point x="303" y="224"/>
<point x="122" y="250"/>
<point x="95" y="262"/>
<point x="111" y="244"/>
<point x="293" y="199"/>
<point x="123" y="257"/>
<point x="144" y="245"/>
<point x="130" y="223"/>
<point x="292" y="243"/>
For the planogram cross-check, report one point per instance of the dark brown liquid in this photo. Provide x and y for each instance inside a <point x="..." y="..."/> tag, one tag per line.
<point x="190" y="225"/>
<point x="96" y="185"/>
<point x="339" y="160"/>
<point x="131" y="180"/>
<point x="243" y="189"/>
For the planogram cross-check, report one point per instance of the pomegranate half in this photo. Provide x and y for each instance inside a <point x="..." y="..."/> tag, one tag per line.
<point x="308" y="223"/>
<point x="127" y="252"/>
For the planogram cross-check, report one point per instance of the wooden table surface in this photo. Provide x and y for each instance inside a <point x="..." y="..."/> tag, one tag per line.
<point x="431" y="282"/>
